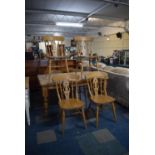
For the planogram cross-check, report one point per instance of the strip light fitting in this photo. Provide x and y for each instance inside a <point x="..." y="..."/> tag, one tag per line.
<point x="69" y="24"/>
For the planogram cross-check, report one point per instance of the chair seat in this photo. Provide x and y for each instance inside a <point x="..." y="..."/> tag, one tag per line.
<point x="71" y="104"/>
<point x="102" y="99"/>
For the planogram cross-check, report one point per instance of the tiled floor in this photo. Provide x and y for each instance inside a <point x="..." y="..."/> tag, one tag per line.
<point x="103" y="136"/>
<point x="44" y="136"/>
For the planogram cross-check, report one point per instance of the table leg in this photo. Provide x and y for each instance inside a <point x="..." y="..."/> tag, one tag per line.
<point x="45" y="96"/>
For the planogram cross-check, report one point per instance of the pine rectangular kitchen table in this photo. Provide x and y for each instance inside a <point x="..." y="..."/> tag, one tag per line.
<point x="46" y="82"/>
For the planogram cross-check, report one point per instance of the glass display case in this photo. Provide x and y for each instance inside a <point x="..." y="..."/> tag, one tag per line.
<point x="121" y="57"/>
<point x="124" y="57"/>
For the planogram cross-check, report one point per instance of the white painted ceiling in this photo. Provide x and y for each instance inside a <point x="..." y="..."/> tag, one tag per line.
<point x="41" y="15"/>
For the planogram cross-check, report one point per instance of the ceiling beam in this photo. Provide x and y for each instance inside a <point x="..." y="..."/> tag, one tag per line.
<point x="64" y="32"/>
<point x="121" y="2"/>
<point x="95" y="11"/>
<point x="86" y="26"/>
<point x="45" y="11"/>
<point x="53" y="24"/>
<point x="68" y="13"/>
<point x="116" y="2"/>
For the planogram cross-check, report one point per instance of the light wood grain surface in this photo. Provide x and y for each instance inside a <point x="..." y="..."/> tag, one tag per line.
<point x="47" y="79"/>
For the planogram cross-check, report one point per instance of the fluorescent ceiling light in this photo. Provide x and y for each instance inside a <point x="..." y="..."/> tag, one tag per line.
<point x="69" y="24"/>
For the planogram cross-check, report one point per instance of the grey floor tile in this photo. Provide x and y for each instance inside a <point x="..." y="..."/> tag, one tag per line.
<point x="103" y="136"/>
<point x="115" y="148"/>
<point x="46" y="136"/>
<point x="41" y="119"/>
<point x="89" y="145"/>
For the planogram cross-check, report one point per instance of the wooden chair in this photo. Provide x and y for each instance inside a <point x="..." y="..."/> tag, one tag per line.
<point x="78" y="67"/>
<point x="58" y="66"/>
<point x="97" y="82"/>
<point x="67" y="91"/>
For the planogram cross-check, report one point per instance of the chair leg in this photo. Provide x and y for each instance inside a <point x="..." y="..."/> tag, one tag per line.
<point x="97" y="115"/>
<point x="84" y="118"/>
<point x="114" y="111"/>
<point x="89" y="106"/>
<point x="63" y="121"/>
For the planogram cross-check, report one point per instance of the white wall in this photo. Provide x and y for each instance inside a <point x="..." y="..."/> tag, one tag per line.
<point x="114" y="27"/>
<point x="42" y="46"/>
<point x="28" y="45"/>
<point x="104" y="47"/>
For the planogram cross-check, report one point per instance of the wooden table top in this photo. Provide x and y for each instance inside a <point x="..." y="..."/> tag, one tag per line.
<point x="46" y="79"/>
<point x="27" y="82"/>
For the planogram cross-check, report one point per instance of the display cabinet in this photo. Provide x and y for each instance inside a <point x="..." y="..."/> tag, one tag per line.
<point x="121" y="57"/>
